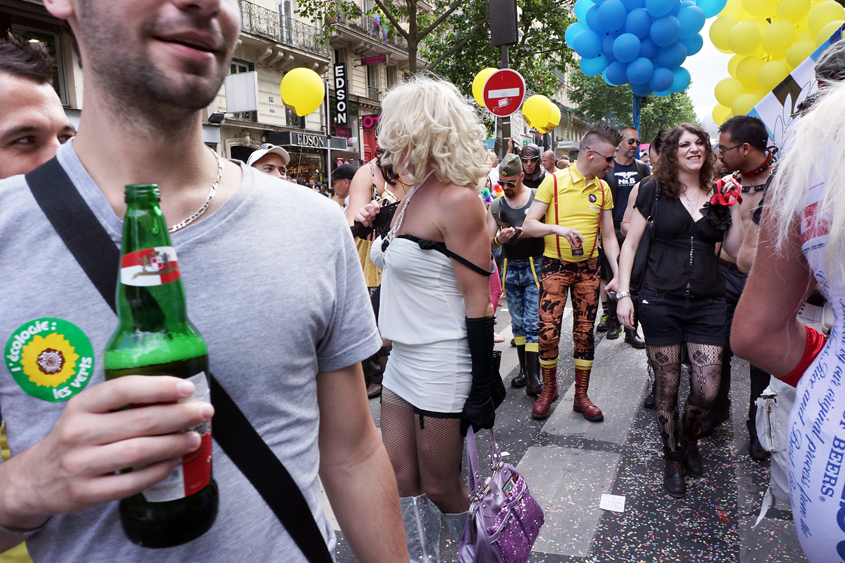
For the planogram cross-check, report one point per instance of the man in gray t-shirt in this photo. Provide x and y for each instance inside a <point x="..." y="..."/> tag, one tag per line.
<point x="272" y="281"/>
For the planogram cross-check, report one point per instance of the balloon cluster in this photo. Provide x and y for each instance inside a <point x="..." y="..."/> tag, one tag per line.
<point x="382" y="29"/>
<point x="541" y="113"/>
<point x="302" y="90"/>
<point x="640" y="42"/>
<point x="768" y="39"/>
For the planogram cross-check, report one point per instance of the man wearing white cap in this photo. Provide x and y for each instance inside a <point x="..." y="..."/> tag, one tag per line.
<point x="270" y="159"/>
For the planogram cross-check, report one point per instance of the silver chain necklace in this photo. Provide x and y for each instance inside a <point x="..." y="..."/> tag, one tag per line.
<point x="185" y="222"/>
<point x="693" y="205"/>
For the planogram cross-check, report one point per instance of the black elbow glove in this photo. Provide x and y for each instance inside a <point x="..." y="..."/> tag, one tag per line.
<point x="479" y="410"/>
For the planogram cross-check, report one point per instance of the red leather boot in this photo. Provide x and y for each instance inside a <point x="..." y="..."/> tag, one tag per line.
<point x="582" y="403"/>
<point x="543" y="405"/>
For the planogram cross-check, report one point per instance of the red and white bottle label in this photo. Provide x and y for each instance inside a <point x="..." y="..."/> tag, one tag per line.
<point x="194" y="473"/>
<point x="151" y="266"/>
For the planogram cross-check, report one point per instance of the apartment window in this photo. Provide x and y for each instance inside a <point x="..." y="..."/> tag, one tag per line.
<point x="391" y="76"/>
<point x="54" y="46"/>
<point x="237" y="67"/>
<point x="372" y="82"/>
<point x="339" y="56"/>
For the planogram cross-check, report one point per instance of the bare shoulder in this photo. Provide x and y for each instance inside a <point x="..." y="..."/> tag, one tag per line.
<point x="460" y="203"/>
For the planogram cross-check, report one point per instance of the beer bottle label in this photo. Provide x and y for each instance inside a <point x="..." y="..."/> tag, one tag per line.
<point x="151" y="266"/>
<point x="194" y="473"/>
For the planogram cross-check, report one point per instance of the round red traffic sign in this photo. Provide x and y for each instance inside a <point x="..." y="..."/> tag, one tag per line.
<point x="504" y="92"/>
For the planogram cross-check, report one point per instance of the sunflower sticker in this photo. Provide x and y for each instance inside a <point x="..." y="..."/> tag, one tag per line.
<point x="51" y="359"/>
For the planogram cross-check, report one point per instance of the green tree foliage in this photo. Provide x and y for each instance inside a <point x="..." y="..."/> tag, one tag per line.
<point x="459" y="49"/>
<point x="598" y="102"/>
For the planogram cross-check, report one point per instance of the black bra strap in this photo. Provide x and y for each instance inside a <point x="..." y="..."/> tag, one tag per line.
<point x="441" y="247"/>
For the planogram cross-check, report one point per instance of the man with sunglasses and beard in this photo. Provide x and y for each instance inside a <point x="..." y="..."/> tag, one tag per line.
<point x="523" y="259"/>
<point x="534" y="172"/>
<point x="626" y="173"/>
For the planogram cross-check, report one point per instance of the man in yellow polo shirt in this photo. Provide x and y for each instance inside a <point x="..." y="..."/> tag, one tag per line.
<point x="570" y="209"/>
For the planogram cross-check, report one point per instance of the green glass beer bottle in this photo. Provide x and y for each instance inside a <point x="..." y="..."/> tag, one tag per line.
<point x="154" y="337"/>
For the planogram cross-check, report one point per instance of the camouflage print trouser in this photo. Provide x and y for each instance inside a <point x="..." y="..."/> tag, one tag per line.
<point x="558" y="278"/>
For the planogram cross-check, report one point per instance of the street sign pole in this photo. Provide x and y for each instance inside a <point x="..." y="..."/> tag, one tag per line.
<point x="506" y="121"/>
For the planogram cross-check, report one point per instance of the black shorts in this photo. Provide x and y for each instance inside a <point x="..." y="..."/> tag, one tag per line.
<point x="672" y="319"/>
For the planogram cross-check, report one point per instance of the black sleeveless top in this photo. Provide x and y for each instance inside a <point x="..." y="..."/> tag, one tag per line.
<point x="519" y="248"/>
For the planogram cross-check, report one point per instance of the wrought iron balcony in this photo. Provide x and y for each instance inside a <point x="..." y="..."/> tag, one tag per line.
<point x="282" y="29"/>
<point x="372" y="92"/>
<point x="366" y="25"/>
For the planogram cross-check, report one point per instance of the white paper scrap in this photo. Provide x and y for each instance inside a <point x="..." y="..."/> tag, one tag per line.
<point x="615" y="503"/>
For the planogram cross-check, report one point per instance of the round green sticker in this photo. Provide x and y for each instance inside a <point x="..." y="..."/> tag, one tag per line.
<point x="51" y="359"/>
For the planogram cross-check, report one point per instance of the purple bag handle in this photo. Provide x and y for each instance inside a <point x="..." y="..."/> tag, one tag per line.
<point x="474" y="481"/>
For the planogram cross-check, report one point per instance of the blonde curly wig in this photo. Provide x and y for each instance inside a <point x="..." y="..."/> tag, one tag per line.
<point x="426" y="123"/>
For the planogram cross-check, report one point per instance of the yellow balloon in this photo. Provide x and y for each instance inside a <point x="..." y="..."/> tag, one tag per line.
<point x="733" y="9"/>
<point x="804" y="35"/>
<point x="478" y="85"/>
<point x="799" y="52"/>
<point x="719" y="32"/>
<point x="760" y="93"/>
<point x="747" y="72"/>
<point x="760" y="8"/>
<point x="771" y="74"/>
<point x="727" y="91"/>
<point x="537" y="110"/>
<point x="793" y="10"/>
<point x="733" y="63"/>
<point x="827" y="31"/>
<point x="778" y="38"/>
<point x="554" y="121"/>
<point x="744" y="38"/>
<point x="822" y="14"/>
<point x="744" y="103"/>
<point x="719" y="113"/>
<point x="302" y="90"/>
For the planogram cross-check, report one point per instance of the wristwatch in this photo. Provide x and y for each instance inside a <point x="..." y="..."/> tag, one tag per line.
<point x="622" y="294"/>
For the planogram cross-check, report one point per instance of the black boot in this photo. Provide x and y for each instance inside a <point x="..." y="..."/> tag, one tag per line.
<point x="756" y="449"/>
<point x="692" y="457"/>
<point x="532" y="370"/>
<point x="649" y="400"/>
<point x="602" y="326"/>
<point x="613" y="326"/>
<point x="673" y="474"/>
<point x="632" y="338"/>
<point x="520" y="379"/>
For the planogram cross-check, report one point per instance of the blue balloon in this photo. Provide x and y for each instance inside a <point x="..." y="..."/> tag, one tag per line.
<point x="633" y="4"/>
<point x="692" y="21"/>
<point x="640" y="71"/>
<point x="616" y="73"/>
<point x="665" y="31"/>
<point x="612" y="15"/>
<point x="592" y="19"/>
<point x="648" y="49"/>
<point x="671" y="56"/>
<point x="641" y="90"/>
<point x="687" y="3"/>
<point x="693" y="44"/>
<point x="626" y="48"/>
<point x="604" y="75"/>
<point x="661" y="80"/>
<point x="581" y="7"/>
<point x="587" y="44"/>
<point x="595" y="66"/>
<point x="638" y="22"/>
<point x="573" y="30"/>
<point x="681" y="81"/>
<point x="663" y="94"/>
<point x="675" y="8"/>
<point x="607" y="47"/>
<point x="711" y="7"/>
<point x="659" y="8"/>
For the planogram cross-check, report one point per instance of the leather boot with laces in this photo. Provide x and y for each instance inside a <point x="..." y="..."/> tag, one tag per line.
<point x="543" y="405"/>
<point x="673" y="474"/>
<point x="582" y="403"/>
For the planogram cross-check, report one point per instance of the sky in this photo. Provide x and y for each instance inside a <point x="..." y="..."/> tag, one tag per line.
<point x="706" y="68"/>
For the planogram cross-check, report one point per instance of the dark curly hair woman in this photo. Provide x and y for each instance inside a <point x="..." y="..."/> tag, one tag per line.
<point x="682" y="295"/>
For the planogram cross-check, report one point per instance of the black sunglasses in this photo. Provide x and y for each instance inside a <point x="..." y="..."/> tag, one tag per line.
<point x="633" y="141"/>
<point x="530" y="158"/>
<point x="607" y="159"/>
<point x="511" y="184"/>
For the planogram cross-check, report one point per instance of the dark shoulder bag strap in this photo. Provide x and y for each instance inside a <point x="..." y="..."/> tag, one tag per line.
<point x="642" y="170"/>
<point x="99" y="257"/>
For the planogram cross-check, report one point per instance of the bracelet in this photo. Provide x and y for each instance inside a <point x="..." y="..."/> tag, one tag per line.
<point x="496" y="241"/>
<point x="19" y="532"/>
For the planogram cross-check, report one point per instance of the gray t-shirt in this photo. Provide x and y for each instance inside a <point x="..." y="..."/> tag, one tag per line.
<point x="273" y="283"/>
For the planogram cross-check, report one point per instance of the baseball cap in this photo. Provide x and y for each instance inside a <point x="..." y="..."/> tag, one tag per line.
<point x="511" y="165"/>
<point x="344" y="172"/>
<point x="265" y="150"/>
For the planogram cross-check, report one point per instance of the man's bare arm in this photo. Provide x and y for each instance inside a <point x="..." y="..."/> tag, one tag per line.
<point x="356" y="471"/>
<point x="748" y="249"/>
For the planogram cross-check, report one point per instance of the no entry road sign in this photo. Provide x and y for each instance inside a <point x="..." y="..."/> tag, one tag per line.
<point x="504" y="92"/>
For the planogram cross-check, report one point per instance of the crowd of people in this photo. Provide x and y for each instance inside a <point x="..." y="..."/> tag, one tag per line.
<point x="403" y="306"/>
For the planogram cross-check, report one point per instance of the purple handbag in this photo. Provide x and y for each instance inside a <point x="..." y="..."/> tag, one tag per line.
<point x="504" y="519"/>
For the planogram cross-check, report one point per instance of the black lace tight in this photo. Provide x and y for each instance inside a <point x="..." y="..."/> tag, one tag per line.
<point x="705" y="373"/>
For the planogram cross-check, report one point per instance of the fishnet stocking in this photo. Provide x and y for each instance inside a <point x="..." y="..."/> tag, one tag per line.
<point x="425" y="460"/>
<point x="705" y="374"/>
<point x="667" y="374"/>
